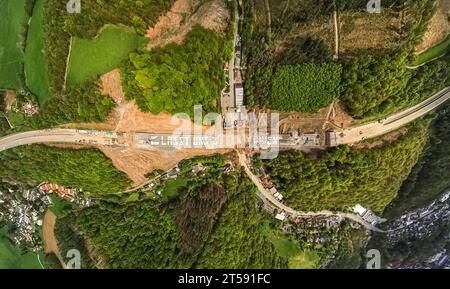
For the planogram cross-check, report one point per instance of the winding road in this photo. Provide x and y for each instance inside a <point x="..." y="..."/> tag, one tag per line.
<point x="378" y="128"/>
<point x="346" y="136"/>
<point x="268" y="196"/>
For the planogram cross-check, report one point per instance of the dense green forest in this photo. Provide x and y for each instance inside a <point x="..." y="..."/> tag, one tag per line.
<point x="343" y="177"/>
<point x="56" y="43"/>
<point x="294" y="86"/>
<point x="82" y="103"/>
<point x="428" y="180"/>
<point x="378" y="87"/>
<point x="431" y="176"/>
<point x="214" y="222"/>
<point x="134" y="13"/>
<point x="85" y="168"/>
<point x="177" y="77"/>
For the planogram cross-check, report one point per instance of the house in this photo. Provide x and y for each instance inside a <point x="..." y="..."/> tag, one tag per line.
<point x="280" y="216"/>
<point x="266" y="182"/>
<point x="360" y="210"/>
<point x="279" y="196"/>
<point x="273" y="190"/>
<point x="46" y="200"/>
<point x="239" y="94"/>
<point x="197" y="168"/>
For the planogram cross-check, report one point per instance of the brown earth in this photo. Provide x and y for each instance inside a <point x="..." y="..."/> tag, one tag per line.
<point x="438" y="28"/>
<point x="127" y="117"/>
<point x="182" y="16"/>
<point x="382" y="141"/>
<point x="9" y="99"/>
<point x="329" y="117"/>
<point x="137" y="163"/>
<point x="48" y="235"/>
<point x="340" y="117"/>
<point x="321" y="28"/>
<point x="112" y="85"/>
<point x="362" y="30"/>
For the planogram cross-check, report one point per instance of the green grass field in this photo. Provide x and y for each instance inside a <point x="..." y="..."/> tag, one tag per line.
<point x="12" y="20"/>
<point x="59" y="206"/>
<point x="433" y="53"/>
<point x="91" y="58"/>
<point x="172" y="187"/>
<point x="11" y="256"/>
<point x="35" y="62"/>
<point x="290" y="250"/>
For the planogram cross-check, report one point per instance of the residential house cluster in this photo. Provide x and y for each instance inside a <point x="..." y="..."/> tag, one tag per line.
<point x="420" y="223"/>
<point x="29" y="108"/>
<point x="439" y="260"/>
<point x="318" y="221"/>
<point x="68" y="194"/>
<point x="265" y="181"/>
<point x="23" y="211"/>
<point x="172" y="174"/>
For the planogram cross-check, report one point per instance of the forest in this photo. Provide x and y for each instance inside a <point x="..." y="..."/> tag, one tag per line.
<point x="375" y="81"/>
<point x="294" y="86"/>
<point x="176" y="233"/>
<point x="177" y="77"/>
<point x="137" y="14"/>
<point x="342" y="177"/>
<point x="430" y="177"/>
<point x="88" y="169"/>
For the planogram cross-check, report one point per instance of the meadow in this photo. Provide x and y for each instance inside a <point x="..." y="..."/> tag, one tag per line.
<point x="434" y="52"/>
<point x="91" y="58"/>
<point x="36" y="70"/>
<point x="11" y="256"/>
<point x="13" y="18"/>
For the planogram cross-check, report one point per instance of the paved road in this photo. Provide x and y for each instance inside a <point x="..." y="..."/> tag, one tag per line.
<point x="396" y="121"/>
<point x="348" y="136"/>
<point x="43" y="136"/>
<point x="227" y="100"/>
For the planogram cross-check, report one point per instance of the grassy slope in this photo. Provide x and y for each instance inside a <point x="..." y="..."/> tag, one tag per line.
<point x="290" y="250"/>
<point x="93" y="57"/>
<point x="36" y="70"/>
<point x="434" y="52"/>
<point x="11" y="256"/>
<point x="12" y="19"/>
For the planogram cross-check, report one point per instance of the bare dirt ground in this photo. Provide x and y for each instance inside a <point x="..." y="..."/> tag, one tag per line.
<point x="111" y="85"/>
<point x="182" y="16"/>
<point x="321" y="28"/>
<point x="438" y="28"/>
<point x="137" y="163"/>
<point x="382" y="141"/>
<point x="10" y="98"/>
<point x="339" y="116"/>
<point x="48" y="235"/>
<point x="327" y="118"/>
<point x="127" y="117"/>
<point x="362" y="30"/>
